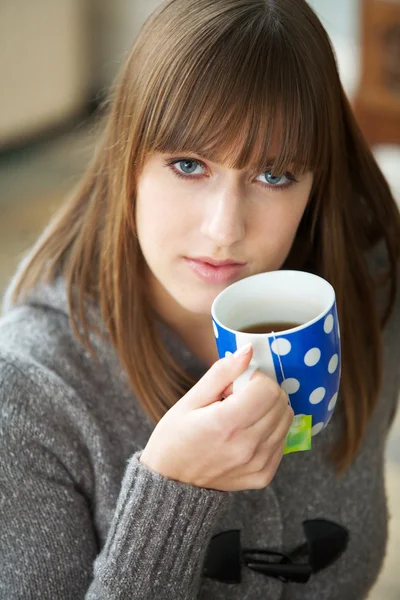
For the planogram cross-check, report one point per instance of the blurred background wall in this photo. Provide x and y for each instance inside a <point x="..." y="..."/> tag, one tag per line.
<point x="44" y="65"/>
<point x="57" y="60"/>
<point x="58" y="56"/>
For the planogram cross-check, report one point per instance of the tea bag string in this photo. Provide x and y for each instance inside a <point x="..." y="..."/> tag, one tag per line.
<point x="281" y="366"/>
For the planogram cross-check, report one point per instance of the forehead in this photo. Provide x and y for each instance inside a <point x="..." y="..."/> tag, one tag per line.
<point x="239" y="91"/>
<point x="226" y="156"/>
<point x="242" y="127"/>
<point x="263" y="152"/>
<point x="237" y="148"/>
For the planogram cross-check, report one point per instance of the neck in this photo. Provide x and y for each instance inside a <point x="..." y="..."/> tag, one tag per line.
<point x="195" y="330"/>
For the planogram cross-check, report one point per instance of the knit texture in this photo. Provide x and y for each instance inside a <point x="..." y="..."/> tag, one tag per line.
<point x="81" y="517"/>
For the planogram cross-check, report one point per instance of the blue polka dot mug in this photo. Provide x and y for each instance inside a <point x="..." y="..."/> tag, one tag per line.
<point x="305" y="358"/>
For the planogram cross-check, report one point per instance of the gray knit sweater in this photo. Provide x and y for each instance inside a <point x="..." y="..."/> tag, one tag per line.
<point x="80" y="517"/>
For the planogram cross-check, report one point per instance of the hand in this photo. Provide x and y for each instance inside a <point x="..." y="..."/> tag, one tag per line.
<point x="228" y="445"/>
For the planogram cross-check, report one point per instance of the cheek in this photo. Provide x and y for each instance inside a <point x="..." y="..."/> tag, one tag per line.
<point x="278" y="224"/>
<point x="161" y="219"/>
<point x="152" y="207"/>
<point x="275" y="230"/>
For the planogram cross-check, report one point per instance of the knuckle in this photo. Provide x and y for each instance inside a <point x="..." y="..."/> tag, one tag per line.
<point x="261" y="380"/>
<point x="215" y="422"/>
<point x="273" y="390"/>
<point x="289" y="414"/>
<point x="278" y="438"/>
<point x="258" y="463"/>
<point x="257" y="377"/>
<point x="262" y="479"/>
<point x="284" y="397"/>
<point x="245" y="453"/>
<point x="274" y="387"/>
<point x="230" y="426"/>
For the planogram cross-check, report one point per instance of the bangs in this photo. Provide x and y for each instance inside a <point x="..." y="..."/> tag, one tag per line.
<point x="229" y="99"/>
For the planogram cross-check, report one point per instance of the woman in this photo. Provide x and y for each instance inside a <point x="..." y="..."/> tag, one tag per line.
<point x="229" y="138"/>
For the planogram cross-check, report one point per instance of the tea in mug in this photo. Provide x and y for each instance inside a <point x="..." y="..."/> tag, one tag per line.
<point x="269" y="327"/>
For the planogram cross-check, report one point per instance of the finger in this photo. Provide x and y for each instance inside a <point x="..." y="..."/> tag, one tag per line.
<point x="269" y="463"/>
<point x="223" y="372"/>
<point x="275" y="431"/>
<point x="243" y="479"/>
<point x="275" y="460"/>
<point x="272" y="418"/>
<point x="228" y="391"/>
<point x="263" y="439"/>
<point x="249" y="405"/>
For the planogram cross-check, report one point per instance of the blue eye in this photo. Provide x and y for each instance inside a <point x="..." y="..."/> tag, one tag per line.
<point x="188" y="167"/>
<point x="272" y="180"/>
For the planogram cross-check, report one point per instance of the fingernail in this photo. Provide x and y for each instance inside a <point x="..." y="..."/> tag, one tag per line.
<point x="244" y="350"/>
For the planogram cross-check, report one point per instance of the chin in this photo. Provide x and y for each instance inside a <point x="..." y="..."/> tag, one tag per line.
<point x="197" y="303"/>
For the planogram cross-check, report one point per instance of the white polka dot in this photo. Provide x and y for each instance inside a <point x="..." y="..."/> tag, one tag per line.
<point x="215" y="330"/>
<point x="281" y="346"/>
<point x="332" y="403"/>
<point x="317" y="395"/>
<point x="317" y="428"/>
<point x="227" y="353"/>
<point x="338" y="331"/>
<point x="312" y="357"/>
<point x="329" y="323"/>
<point x="333" y="363"/>
<point x="291" y="385"/>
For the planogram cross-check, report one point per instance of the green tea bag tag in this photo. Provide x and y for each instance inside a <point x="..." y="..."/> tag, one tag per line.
<point x="299" y="436"/>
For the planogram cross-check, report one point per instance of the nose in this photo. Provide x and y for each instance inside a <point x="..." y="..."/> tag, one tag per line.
<point x="223" y="222"/>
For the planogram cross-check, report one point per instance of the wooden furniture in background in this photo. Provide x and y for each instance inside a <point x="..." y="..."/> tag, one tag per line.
<point x="377" y="101"/>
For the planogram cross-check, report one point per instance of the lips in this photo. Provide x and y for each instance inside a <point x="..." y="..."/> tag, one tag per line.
<point x="217" y="263"/>
<point x="215" y="272"/>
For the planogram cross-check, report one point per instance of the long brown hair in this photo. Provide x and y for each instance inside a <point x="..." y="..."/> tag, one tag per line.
<point x="214" y="77"/>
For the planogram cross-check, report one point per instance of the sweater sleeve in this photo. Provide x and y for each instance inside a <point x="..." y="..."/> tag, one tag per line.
<point x="49" y="548"/>
<point x="158" y="538"/>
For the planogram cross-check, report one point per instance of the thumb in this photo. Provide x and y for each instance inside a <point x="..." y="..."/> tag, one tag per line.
<point x="211" y="386"/>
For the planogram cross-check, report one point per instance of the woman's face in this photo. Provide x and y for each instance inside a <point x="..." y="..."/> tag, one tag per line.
<point x="190" y="210"/>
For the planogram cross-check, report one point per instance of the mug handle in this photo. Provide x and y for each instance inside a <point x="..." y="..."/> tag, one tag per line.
<point x="245" y="377"/>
